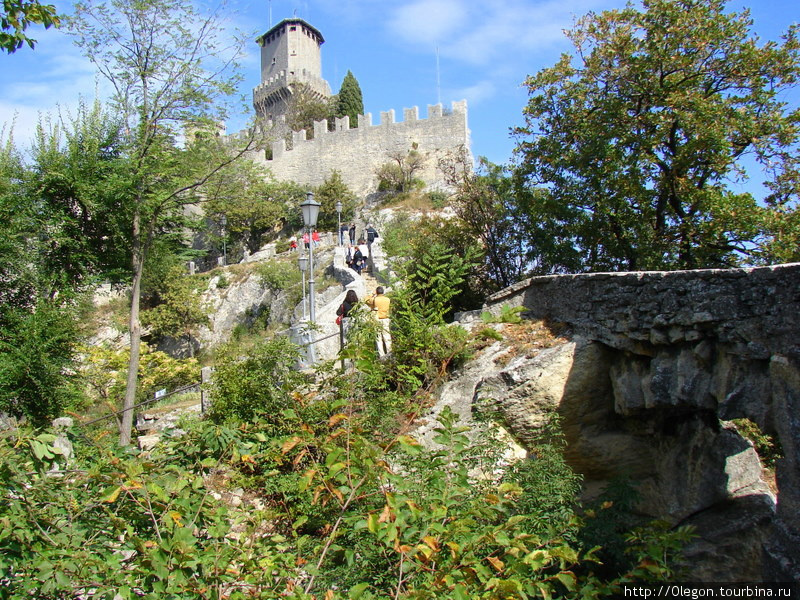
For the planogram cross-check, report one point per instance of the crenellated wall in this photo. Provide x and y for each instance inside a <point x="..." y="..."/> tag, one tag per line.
<point x="357" y="153"/>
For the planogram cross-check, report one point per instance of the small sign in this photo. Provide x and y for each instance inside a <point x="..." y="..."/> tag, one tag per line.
<point x="160" y="393"/>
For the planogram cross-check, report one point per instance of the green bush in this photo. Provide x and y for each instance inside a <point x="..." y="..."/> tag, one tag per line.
<point x="508" y="314"/>
<point x="257" y="385"/>
<point x="438" y="199"/>
<point x="767" y="447"/>
<point x="222" y="282"/>
<point x="37" y="348"/>
<point x="278" y="276"/>
<point x="550" y="489"/>
<point x="116" y="527"/>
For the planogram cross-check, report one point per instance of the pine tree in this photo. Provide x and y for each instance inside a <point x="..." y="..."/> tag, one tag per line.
<point x="350" y="101"/>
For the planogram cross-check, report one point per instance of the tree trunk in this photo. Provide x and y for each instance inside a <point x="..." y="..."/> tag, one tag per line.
<point x="135" y="338"/>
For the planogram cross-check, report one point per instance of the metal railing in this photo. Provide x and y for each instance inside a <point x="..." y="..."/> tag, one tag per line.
<point x="181" y="390"/>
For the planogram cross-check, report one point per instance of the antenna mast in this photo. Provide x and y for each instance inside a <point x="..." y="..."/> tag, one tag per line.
<point x="438" y="79"/>
<point x="270" y="14"/>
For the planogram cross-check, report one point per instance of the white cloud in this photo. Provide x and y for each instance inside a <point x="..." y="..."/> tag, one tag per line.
<point x="479" y="32"/>
<point x="429" y="21"/>
<point x="476" y="93"/>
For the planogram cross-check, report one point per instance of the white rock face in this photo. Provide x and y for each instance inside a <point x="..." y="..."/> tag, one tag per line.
<point x="234" y="304"/>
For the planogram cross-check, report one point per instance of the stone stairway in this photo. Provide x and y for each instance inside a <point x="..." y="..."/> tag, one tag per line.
<point x="370" y="284"/>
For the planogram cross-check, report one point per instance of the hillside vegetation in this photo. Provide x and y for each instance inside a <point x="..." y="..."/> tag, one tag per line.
<point x="306" y="486"/>
<point x="305" y="483"/>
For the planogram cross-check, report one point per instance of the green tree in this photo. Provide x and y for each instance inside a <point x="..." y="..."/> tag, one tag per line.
<point x="171" y="72"/>
<point x="349" y="100"/>
<point x="37" y="347"/>
<point x="44" y="262"/>
<point x="306" y="107"/>
<point x="17" y="15"/>
<point x="251" y="203"/>
<point x="18" y="222"/>
<point x="489" y="211"/>
<point x="638" y="137"/>
<point x="79" y="178"/>
<point x="334" y="190"/>
<point x="181" y="310"/>
<point x="398" y="175"/>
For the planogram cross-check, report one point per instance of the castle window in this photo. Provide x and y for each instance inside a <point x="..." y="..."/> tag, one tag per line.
<point x="292" y="28"/>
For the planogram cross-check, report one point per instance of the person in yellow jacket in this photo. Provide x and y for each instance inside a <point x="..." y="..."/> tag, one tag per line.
<point x="380" y="305"/>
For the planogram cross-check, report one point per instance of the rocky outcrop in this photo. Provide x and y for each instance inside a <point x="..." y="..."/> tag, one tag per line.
<point x="656" y="367"/>
<point x="239" y="302"/>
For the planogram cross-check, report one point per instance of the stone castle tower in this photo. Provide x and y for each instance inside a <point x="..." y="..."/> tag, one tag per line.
<point x="290" y="55"/>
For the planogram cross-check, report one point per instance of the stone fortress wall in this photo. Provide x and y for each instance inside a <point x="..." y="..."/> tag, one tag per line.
<point x="357" y="153"/>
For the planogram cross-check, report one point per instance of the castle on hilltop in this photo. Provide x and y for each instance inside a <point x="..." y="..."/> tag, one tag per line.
<point x="291" y="55"/>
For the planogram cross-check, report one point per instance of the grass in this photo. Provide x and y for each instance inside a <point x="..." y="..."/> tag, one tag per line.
<point x="528" y="338"/>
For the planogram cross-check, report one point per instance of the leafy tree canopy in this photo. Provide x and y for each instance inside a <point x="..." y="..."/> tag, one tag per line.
<point x="181" y="311"/>
<point x="491" y="213"/>
<point x="15" y="18"/>
<point x="638" y="136"/>
<point x="172" y="69"/>
<point x="251" y="203"/>
<point x="306" y="107"/>
<point x="333" y="190"/>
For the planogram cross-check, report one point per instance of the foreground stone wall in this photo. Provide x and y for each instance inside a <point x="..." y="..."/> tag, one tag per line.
<point x="662" y="362"/>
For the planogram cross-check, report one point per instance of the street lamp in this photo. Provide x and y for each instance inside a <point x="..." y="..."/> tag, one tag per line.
<point x="302" y="262"/>
<point x="310" y="213"/>
<point x="339" y="222"/>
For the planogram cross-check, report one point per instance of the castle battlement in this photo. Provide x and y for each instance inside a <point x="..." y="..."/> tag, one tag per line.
<point x="283" y="79"/>
<point x="357" y="153"/>
<point x="270" y="96"/>
<point x="387" y="119"/>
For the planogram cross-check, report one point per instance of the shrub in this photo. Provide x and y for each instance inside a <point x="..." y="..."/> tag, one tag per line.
<point x="767" y="447"/>
<point x="104" y="372"/>
<point x="116" y="527"/>
<point x="438" y="199"/>
<point x="278" y="276"/>
<point x="36" y="353"/>
<point x="258" y="385"/>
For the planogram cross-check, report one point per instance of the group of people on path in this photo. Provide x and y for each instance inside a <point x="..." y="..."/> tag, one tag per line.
<point x="307" y="241"/>
<point x="380" y="306"/>
<point x="357" y="256"/>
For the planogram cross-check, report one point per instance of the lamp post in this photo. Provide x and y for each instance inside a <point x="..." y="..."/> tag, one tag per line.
<point x="302" y="262"/>
<point x="339" y="222"/>
<point x="310" y="213"/>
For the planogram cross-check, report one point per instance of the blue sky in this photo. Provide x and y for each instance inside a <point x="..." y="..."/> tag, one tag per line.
<point x="485" y="50"/>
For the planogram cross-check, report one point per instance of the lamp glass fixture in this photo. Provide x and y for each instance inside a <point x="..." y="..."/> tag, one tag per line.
<point x="310" y="210"/>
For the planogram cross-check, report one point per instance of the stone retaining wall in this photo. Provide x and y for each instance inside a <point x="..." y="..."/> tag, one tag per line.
<point x="704" y="347"/>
